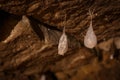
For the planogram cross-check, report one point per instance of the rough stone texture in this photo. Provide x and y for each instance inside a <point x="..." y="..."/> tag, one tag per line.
<point x="28" y="45"/>
<point x="52" y="12"/>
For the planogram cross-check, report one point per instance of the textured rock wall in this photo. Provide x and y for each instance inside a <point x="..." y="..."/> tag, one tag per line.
<point x="30" y="31"/>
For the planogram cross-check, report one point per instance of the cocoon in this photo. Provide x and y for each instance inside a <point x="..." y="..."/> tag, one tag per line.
<point x="63" y="43"/>
<point x="90" y="39"/>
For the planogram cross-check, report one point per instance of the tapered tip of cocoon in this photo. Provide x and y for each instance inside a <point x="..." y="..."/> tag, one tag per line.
<point x="61" y="53"/>
<point x="90" y="39"/>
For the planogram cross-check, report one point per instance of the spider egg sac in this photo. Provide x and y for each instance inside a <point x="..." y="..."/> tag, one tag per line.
<point x="90" y="39"/>
<point x="63" y="44"/>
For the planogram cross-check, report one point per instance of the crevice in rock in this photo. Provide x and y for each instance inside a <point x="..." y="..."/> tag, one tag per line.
<point x="7" y="23"/>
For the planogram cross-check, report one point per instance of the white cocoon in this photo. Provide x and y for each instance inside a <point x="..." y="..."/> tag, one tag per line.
<point x="90" y="39"/>
<point x="63" y="44"/>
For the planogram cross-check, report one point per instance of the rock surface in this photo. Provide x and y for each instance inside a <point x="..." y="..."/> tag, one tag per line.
<point x="30" y="31"/>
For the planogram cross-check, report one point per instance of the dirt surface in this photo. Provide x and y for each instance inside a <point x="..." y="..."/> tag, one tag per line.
<point x="30" y="32"/>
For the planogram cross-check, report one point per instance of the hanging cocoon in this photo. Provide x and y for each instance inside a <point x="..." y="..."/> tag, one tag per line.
<point x="63" y="43"/>
<point x="90" y="39"/>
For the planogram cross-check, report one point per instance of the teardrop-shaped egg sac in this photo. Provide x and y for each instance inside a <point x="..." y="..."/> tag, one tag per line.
<point x="90" y="39"/>
<point x="63" y="44"/>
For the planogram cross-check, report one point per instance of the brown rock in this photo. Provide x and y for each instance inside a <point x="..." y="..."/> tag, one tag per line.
<point x="28" y="47"/>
